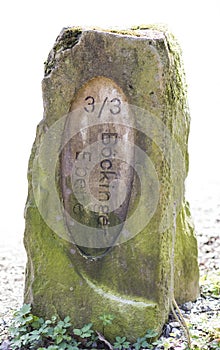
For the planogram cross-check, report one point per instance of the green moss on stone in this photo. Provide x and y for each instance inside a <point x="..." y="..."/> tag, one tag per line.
<point x="186" y="274"/>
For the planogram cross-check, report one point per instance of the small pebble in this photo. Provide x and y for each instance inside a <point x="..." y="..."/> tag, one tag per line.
<point x="5" y="345"/>
<point x="174" y="324"/>
<point x="167" y="330"/>
<point x="187" y="306"/>
<point x="176" y="332"/>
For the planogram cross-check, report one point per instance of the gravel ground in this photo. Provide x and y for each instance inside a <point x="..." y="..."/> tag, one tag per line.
<point x="205" y="208"/>
<point x="12" y="269"/>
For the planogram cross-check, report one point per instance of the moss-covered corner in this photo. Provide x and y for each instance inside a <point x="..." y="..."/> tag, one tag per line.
<point x="66" y="40"/>
<point x="133" y="281"/>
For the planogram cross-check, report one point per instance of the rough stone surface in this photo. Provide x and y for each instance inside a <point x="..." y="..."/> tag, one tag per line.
<point x="133" y="280"/>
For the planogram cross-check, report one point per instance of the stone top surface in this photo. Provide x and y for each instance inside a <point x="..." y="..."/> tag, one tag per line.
<point x="71" y="36"/>
<point x="142" y="30"/>
<point x="146" y="32"/>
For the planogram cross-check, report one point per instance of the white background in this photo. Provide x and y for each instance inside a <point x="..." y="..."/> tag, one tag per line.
<point x="28" y="31"/>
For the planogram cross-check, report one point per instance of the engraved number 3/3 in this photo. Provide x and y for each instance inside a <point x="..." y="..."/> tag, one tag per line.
<point x="115" y="105"/>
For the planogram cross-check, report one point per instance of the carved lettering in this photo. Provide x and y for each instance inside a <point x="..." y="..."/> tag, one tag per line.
<point x="106" y="164"/>
<point x="106" y="152"/>
<point x="78" y="208"/>
<point x="90" y="104"/>
<point x="116" y="109"/>
<point x="81" y="172"/>
<point x="103" y="220"/>
<point x="108" y="136"/>
<point x="101" y="208"/>
<point x="115" y="105"/>
<point x="104" y="196"/>
<point x="92" y="171"/>
<point x="105" y="175"/>
<point x="80" y="183"/>
<point x="84" y="155"/>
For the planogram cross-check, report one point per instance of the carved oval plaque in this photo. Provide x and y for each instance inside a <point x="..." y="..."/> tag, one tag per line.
<point x="97" y="166"/>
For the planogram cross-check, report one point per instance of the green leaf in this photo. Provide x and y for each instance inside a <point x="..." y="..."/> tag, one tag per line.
<point x="137" y="346"/>
<point x="13" y="331"/>
<point x="16" y="343"/>
<point x="67" y="319"/>
<point x="77" y="331"/>
<point x="53" y="319"/>
<point x="151" y="333"/>
<point x="59" y="339"/>
<point x="106" y="319"/>
<point x="48" y="322"/>
<point x="118" y="339"/>
<point x="25" y="339"/>
<point x="37" y="322"/>
<point x="86" y="335"/>
<point x="87" y="327"/>
<point x="25" y="309"/>
<point x="144" y="344"/>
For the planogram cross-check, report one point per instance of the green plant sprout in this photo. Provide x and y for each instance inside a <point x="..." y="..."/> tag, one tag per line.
<point x="85" y="332"/>
<point x="121" y="343"/>
<point x="210" y="284"/>
<point x="30" y="332"/>
<point x="107" y="320"/>
<point x="145" y="342"/>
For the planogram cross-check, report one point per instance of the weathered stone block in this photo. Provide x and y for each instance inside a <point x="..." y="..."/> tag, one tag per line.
<point x="106" y="199"/>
